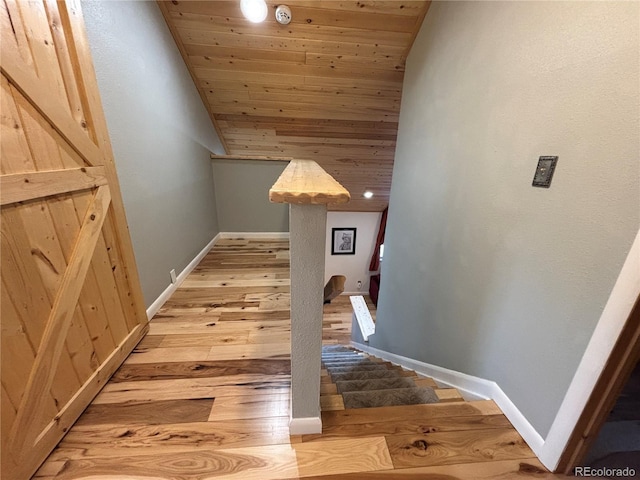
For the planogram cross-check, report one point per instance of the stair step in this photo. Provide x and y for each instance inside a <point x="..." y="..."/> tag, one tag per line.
<point x="331" y="402"/>
<point x="351" y="358"/>
<point x="365" y="375"/>
<point x="374" y="384"/>
<point x="357" y="368"/>
<point x="425" y="382"/>
<point x="349" y="363"/>
<point x="341" y="357"/>
<point x="337" y="354"/>
<point x="354" y="379"/>
<point x="328" y="389"/>
<point x="337" y="348"/>
<point x="449" y="395"/>
<point x="345" y="358"/>
<point x="383" y="398"/>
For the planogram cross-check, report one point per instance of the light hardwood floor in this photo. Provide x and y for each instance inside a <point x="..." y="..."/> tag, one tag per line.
<point x="206" y="395"/>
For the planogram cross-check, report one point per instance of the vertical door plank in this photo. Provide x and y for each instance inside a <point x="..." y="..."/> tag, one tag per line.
<point x="128" y="299"/>
<point x="42" y="48"/>
<point x="8" y="411"/>
<point x="17" y="360"/>
<point x="100" y="269"/>
<point x="17" y="354"/>
<point x="14" y="35"/>
<point x="7" y="417"/>
<point x="13" y="148"/>
<point x="7" y="32"/>
<point x="80" y="348"/>
<point x="25" y="287"/>
<point x="65" y="62"/>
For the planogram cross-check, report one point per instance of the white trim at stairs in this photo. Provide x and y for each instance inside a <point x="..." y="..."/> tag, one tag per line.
<point x="305" y="426"/>
<point x="467" y="383"/>
<point x="283" y="235"/>
<point x="164" y="296"/>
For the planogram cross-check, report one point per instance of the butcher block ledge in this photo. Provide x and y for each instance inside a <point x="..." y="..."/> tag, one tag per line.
<point x="305" y="182"/>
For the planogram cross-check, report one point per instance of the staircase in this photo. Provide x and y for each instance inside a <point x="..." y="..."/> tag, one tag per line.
<point x="353" y="379"/>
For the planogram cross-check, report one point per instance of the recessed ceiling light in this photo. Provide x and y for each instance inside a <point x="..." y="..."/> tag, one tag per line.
<point x="254" y="10"/>
<point x="367" y="194"/>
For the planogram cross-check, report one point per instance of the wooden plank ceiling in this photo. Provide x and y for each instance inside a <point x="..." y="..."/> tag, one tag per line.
<point x="326" y="87"/>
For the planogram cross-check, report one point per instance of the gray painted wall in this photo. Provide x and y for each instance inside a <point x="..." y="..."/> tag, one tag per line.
<point x="484" y="274"/>
<point x="242" y="196"/>
<point x="161" y="136"/>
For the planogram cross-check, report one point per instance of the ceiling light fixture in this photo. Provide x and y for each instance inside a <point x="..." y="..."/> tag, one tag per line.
<point x="367" y="194"/>
<point x="254" y="10"/>
<point x="283" y="15"/>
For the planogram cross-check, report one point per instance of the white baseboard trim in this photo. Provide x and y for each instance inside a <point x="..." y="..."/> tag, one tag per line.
<point x="305" y="426"/>
<point x="283" y="235"/>
<point x="361" y="292"/>
<point x="467" y="383"/>
<point x="166" y="294"/>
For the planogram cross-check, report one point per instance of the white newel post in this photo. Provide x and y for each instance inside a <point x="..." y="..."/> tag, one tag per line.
<point x="308" y="189"/>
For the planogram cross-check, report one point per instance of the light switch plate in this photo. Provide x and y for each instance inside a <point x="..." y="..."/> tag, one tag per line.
<point x="544" y="171"/>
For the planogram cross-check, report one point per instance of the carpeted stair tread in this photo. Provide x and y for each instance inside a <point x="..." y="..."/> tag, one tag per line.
<point x="374" y="384"/>
<point x="329" y="358"/>
<point x="341" y="357"/>
<point x="384" y="398"/>
<point x="337" y="348"/>
<point x="365" y="375"/>
<point x="338" y="353"/>
<point x="365" y="381"/>
<point x="348" y="364"/>
<point x="355" y="368"/>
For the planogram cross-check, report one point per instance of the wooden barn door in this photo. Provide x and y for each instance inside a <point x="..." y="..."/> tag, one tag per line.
<point x="71" y="304"/>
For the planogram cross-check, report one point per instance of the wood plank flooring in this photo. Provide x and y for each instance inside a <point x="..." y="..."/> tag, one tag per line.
<point x="205" y="395"/>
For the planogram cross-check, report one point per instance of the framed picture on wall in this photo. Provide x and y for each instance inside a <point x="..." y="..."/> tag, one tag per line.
<point x="343" y="241"/>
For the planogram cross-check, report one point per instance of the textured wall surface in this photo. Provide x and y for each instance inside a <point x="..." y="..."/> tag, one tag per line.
<point x="308" y="224"/>
<point x="483" y="273"/>
<point x="161" y="135"/>
<point x="242" y="196"/>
